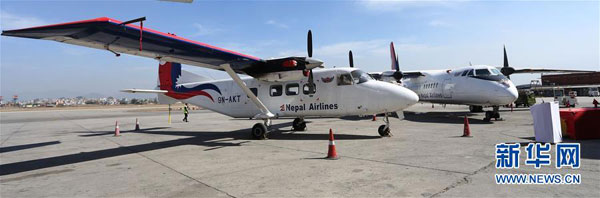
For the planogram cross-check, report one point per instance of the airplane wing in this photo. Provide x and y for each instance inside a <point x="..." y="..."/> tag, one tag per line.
<point x="123" y="37"/>
<point x="540" y="70"/>
<point x="412" y="74"/>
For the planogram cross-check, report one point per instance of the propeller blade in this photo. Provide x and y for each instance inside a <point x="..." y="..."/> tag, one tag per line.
<point x="505" y="58"/>
<point x="309" y="43"/>
<point x="351" y="59"/>
<point x="397" y="64"/>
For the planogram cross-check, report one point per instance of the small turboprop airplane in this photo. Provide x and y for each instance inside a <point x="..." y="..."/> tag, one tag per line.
<point x="476" y="86"/>
<point x="276" y="88"/>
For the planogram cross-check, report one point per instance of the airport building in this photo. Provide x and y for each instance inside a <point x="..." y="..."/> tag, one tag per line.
<point x="585" y="84"/>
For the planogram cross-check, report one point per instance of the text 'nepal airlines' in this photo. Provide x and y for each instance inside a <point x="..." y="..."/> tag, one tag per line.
<point x="280" y="87"/>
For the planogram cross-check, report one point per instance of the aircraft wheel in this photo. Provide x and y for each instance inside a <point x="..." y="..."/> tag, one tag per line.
<point x="488" y="116"/>
<point x="384" y="131"/>
<point x="473" y="108"/>
<point x="298" y="125"/>
<point x="259" y="131"/>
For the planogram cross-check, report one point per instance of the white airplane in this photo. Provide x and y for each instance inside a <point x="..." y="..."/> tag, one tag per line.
<point x="476" y="86"/>
<point x="277" y="88"/>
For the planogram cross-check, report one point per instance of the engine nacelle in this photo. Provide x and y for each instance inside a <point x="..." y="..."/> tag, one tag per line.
<point x="282" y="76"/>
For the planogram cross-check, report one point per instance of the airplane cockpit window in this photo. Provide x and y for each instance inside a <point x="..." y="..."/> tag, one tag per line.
<point x="360" y="76"/>
<point x="276" y="90"/>
<point x="470" y="73"/>
<point x="495" y="71"/>
<point x="491" y="74"/>
<point x="344" y="79"/>
<point x="465" y="73"/>
<point x="292" y="89"/>
<point x="482" y="72"/>
<point x="306" y="89"/>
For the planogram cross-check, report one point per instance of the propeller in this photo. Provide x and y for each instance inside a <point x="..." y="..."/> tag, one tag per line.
<point x="311" y="80"/>
<point x="351" y="60"/>
<point x="506" y="69"/>
<point x="309" y="44"/>
<point x="395" y="66"/>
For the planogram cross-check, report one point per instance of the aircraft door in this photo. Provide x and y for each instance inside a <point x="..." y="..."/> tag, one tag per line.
<point x="448" y="88"/>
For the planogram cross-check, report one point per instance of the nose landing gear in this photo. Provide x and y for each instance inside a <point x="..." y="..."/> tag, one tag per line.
<point x="492" y="114"/>
<point x="384" y="130"/>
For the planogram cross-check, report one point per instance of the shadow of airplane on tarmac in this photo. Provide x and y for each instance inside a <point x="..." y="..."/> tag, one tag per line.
<point x="200" y="138"/>
<point x="457" y="117"/>
<point x="26" y="146"/>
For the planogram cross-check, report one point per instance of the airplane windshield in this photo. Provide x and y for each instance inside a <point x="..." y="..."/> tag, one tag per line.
<point x="482" y="72"/>
<point x="492" y="75"/>
<point x="360" y="76"/>
<point x="495" y="71"/>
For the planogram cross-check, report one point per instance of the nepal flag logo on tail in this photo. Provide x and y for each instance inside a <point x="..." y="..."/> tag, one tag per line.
<point x="169" y="73"/>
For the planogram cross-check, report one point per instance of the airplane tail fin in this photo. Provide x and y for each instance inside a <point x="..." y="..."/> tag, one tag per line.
<point x="394" y="57"/>
<point x="171" y="75"/>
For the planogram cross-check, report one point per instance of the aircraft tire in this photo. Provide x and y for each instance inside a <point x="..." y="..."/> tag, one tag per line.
<point x="384" y="131"/>
<point x="474" y="108"/>
<point x="298" y="125"/>
<point x="259" y="131"/>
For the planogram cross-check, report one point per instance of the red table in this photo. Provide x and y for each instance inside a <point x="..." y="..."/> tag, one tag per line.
<point x="581" y="123"/>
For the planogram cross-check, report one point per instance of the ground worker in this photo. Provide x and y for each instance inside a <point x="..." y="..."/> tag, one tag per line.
<point x="185" y="112"/>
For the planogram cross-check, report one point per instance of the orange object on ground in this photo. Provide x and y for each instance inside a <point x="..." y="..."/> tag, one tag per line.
<point x="581" y="123"/>
<point x="467" y="129"/>
<point x="331" y="154"/>
<point x="117" y="131"/>
<point x="137" y="125"/>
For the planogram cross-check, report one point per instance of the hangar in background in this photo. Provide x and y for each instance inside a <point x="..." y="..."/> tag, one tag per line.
<point x="585" y="84"/>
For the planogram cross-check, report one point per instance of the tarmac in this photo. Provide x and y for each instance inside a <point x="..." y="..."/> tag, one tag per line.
<point x="74" y="154"/>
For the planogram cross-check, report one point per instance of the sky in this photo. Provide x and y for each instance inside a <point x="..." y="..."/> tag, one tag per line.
<point x="426" y="34"/>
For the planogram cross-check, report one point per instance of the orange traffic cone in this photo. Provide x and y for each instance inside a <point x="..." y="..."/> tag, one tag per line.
<point x="467" y="130"/>
<point x="331" y="154"/>
<point x="374" y="117"/>
<point x="137" y="125"/>
<point x="117" y="131"/>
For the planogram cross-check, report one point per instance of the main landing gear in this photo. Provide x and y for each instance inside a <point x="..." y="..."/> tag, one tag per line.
<point x="299" y="124"/>
<point x="384" y="130"/>
<point x="260" y="130"/>
<point x="474" y="108"/>
<point x="492" y="114"/>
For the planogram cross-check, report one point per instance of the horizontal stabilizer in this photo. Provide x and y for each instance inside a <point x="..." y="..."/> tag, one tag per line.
<point x="143" y="91"/>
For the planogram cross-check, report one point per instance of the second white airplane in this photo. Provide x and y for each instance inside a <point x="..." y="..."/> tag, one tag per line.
<point x="476" y="86"/>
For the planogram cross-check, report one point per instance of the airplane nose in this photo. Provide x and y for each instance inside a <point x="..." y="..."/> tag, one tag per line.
<point x="401" y="97"/>
<point x="508" y="95"/>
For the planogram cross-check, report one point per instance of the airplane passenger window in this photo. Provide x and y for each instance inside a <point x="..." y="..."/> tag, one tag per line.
<point x="276" y="90"/>
<point x="306" y="89"/>
<point x="470" y="73"/>
<point x="344" y="79"/>
<point x="465" y="73"/>
<point x="482" y="72"/>
<point x="292" y="89"/>
<point x="254" y="91"/>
